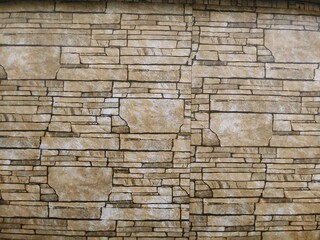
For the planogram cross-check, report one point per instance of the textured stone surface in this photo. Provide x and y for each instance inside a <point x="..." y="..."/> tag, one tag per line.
<point x="80" y="183"/>
<point x="178" y="120"/>
<point x="148" y="116"/>
<point x="293" y="47"/>
<point x="30" y="62"/>
<point x="238" y="129"/>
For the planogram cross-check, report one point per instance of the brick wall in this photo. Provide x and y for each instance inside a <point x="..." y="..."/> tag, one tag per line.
<point x="172" y="120"/>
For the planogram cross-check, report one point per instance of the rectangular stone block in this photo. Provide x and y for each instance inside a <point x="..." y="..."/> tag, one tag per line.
<point x="23" y="211"/>
<point x="81" y="183"/>
<point x="227" y="71"/>
<point x="84" y="86"/>
<point x="91" y="225"/>
<point x="141" y="214"/>
<point x="145" y="8"/>
<point x="228" y="208"/>
<point x="145" y="144"/>
<point x="240" y="129"/>
<point x="286" y="208"/>
<point x="26" y="6"/>
<point x="96" y="18"/>
<point x="295" y="141"/>
<point x="227" y="176"/>
<point x="154" y="73"/>
<point x="30" y="62"/>
<point x="292" y="47"/>
<point x="19" y="142"/>
<point x="79" y="143"/>
<point x="19" y="154"/>
<point x="149" y="157"/>
<point x="152" y="115"/>
<point x="232" y="17"/>
<point x="292" y="235"/>
<point x="290" y="71"/>
<point x="92" y="74"/>
<point x="298" y="153"/>
<point x="99" y="6"/>
<point x="241" y="220"/>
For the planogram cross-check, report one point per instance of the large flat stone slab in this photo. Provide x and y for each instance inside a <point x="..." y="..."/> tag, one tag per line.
<point x="81" y="183"/>
<point x="152" y="115"/>
<point x="30" y="62"/>
<point x="240" y="129"/>
<point x="293" y="46"/>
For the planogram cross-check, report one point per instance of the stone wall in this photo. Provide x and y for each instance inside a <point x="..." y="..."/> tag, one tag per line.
<point x="173" y="120"/>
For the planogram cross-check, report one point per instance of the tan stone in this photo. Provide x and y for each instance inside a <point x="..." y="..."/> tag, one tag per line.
<point x="18" y="142"/>
<point x="26" y="6"/>
<point x="152" y="115"/>
<point x="292" y="47"/>
<point x="92" y="74"/>
<point x="82" y="86"/>
<point x="81" y="183"/>
<point x="241" y="220"/>
<point x="227" y="176"/>
<point x="145" y="144"/>
<point x="96" y="18"/>
<point x="292" y="235"/>
<point x="290" y="71"/>
<point x="79" y="212"/>
<point x="286" y="208"/>
<point x="295" y="141"/>
<point x="143" y="8"/>
<point x="227" y="71"/>
<point x="154" y="73"/>
<point x="151" y="157"/>
<point x="30" y="62"/>
<point x="80" y="6"/>
<point x="91" y="225"/>
<point x="23" y="211"/>
<point x="298" y="152"/>
<point x="140" y="214"/>
<point x="16" y="154"/>
<point x="239" y="129"/>
<point x="79" y="143"/>
<point x="229" y="208"/>
<point x="232" y="16"/>
<point x="3" y="74"/>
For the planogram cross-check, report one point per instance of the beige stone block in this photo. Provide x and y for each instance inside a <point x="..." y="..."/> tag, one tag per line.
<point x="145" y="144"/>
<point x="239" y="129"/>
<point x="144" y="8"/>
<point x="26" y="6"/>
<point x="141" y="214"/>
<point x="229" y="208"/>
<point x="96" y="18"/>
<point x="152" y="115"/>
<point x="151" y="157"/>
<point x="241" y="220"/>
<point x="81" y="183"/>
<point x="227" y="71"/>
<point x="227" y="176"/>
<point x="154" y="73"/>
<point x="152" y="43"/>
<point x="295" y="141"/>
<point x="23" y="211"/>
<point x="292" y="47"/>
<point x="290" y="71"/>
<point x="298" y="153"/>
<point x="79" y="143"/>
<point x="19" y="109"/>
<point x="79" y="213"/>
<point x="301" y="86"/>
<point x="92" y="74"/>
<point x="292" y="235"/>
<point x="83" y="86"/>
<point x="232" y="16"/>
<point x="153" y="60"/>
<point x="19" y="154"/>
<point x="80" y="6"/>
<point x="19" y="142"/>
<point x="30" y="62"/>
<point x="286" y="208"/>
<point x="91" y="225"/>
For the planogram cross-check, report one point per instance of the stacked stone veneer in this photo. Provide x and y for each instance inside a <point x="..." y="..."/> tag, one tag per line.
<point x="159" y="120"/>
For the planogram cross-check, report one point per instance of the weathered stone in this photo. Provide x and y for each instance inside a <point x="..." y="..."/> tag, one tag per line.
<point x="30" y="62"/>
<point x="92" y="74"/>
<point x="290" y="71"/>
<point x="292" y="235"/>
<point x="26" y="6"/>
<point x="23" y="211"/>
<point x="152" y="115"/>
<point x="96" y="18"/>
<point x="91" y="225"/>
<point x="239" y="129"/>
<point x="81" y="183"/>
<point x="82" y="86"/>
<point x="142" y="8"/>
<point x="16" y="154"/>
<point x="295" y="141"/>
<point x="298" y="153"/>
<point x="241" y="220"/>
<point x="17" y="142"/>
<point x="293" y="47"/>
<point x="79" y="143"/>
<point x="154" y="73"/>
<point x="286" y="208"/>
<point x="62" y="6"/>
<point x="229" y="208"/>
<point x="227" y="71"/>
<point x="3" y="74"/>
<point x="209" y="138"/>
<point x="232" y="16"/>
<point x="140" y="214"/>
<point x="151" y="157"/>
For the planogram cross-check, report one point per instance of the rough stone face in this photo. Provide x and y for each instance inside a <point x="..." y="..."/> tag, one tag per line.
<point x="292" y="235"/>
<point x="30" y="62"/>
<point x="92" y="74"/>
<point x="156" y="115"/>
<point x="81" y="183"/>
<point x="232" y="17"/>
<point x="292" y="47"/>
<point x="238" y="129"/>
